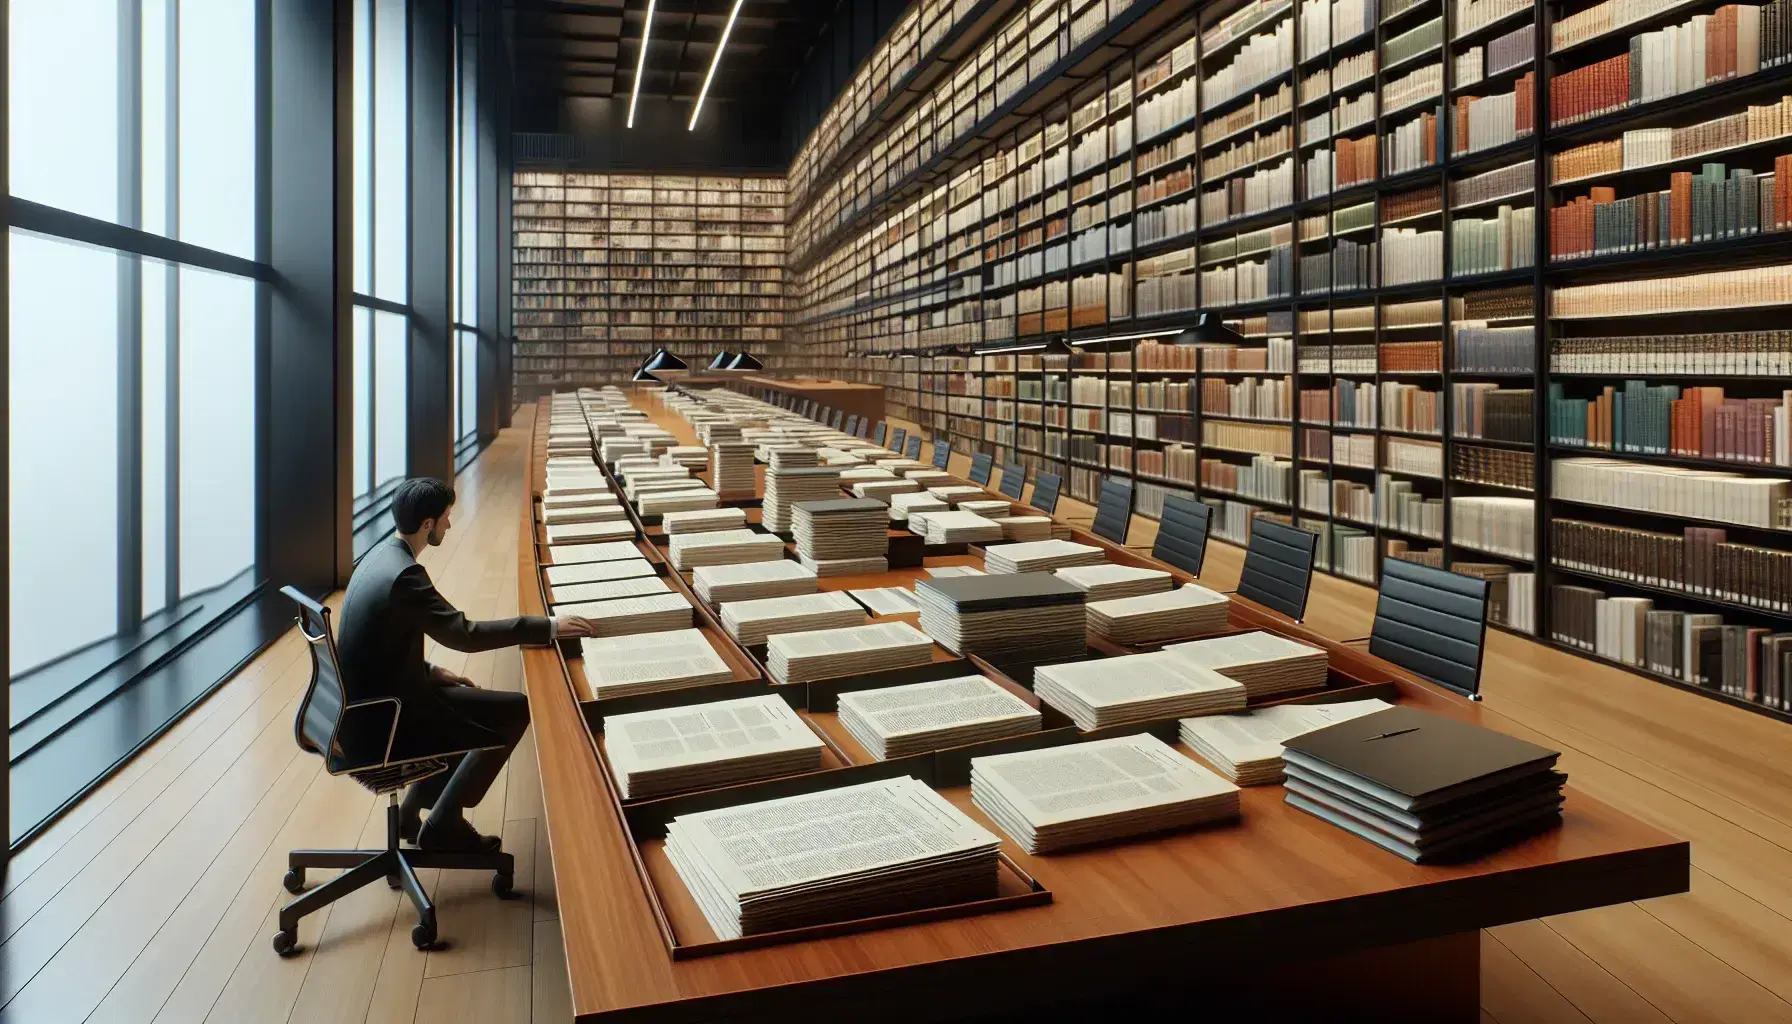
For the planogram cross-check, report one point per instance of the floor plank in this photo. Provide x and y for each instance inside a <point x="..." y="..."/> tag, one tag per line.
<point x="490" y="997"/>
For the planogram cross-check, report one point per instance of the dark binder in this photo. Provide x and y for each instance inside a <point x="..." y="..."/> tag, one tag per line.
<point x="1004" y="590"/>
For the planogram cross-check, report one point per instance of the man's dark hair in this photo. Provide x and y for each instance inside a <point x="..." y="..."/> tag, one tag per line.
<point x="418" y="499"/>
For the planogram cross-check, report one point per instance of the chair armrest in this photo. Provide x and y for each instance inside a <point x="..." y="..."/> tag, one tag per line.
<point x="373" y="723"/>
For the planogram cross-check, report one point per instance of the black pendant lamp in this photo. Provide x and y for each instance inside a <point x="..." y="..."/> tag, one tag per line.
<point x="745" y="361"/>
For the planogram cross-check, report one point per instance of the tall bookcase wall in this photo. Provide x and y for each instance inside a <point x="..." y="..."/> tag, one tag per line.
<point x="609" y="267"/>
<point x="1590" y="411"/>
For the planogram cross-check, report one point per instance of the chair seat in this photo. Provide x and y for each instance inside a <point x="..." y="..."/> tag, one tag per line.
<point x="393" y="777"/>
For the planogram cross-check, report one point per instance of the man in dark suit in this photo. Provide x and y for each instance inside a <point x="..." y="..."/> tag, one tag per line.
<point x="391" y="605"/>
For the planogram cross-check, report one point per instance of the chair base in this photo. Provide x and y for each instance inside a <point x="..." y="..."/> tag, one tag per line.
<point x="397" y="866"/>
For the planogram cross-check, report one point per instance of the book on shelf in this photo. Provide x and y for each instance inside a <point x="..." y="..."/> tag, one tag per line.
<point x="1699" y="561"/>
<point x="1697" y="422"/>
<point x="1742" y="353"/>
<point x="1702" y="206"/>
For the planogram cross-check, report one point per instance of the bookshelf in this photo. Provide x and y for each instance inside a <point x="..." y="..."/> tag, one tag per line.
<point x="1458" y="271"/>
<point x="609" y="267"/>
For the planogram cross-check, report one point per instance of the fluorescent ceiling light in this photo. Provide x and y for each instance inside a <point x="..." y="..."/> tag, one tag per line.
<point x="640" y="63"/>
<point x="713" y="61"/>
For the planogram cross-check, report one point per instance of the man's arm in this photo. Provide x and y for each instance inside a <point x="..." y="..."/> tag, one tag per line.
<point x="413" y="592"/>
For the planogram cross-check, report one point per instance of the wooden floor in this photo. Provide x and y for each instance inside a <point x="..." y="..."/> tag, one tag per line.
<point x="154" y="899"/>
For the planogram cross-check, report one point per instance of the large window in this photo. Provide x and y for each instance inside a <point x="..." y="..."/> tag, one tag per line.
<point x="382" y="246"/>
<point x="465" y="398"/>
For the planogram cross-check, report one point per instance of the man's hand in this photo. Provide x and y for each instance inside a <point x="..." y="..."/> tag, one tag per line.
<point x="447" y="678"/>
<point x="569" y="627"/>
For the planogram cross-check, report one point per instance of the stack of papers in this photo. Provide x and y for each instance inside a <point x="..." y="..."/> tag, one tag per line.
<point x="731" y="467"/>
<point x="786" y="487"/>
<point x="575" y="554"/>
<point x="864" y="473"/>
<point x="858" y="851"/>
<point x="655" y="613"/>
<point x="897" y="721"/>
<point x="1247" y="747"/>
<point x="946" y="572"/>
<point x="1107" y="582"/>
<point x="704" y="521"/>
<point x="1190" y="610"/>
<point x="887" y="600"/>
<point x="787" y="456"/>
<point x="1061" y="797"/>
<point x="958" y="528"/>
<point x="562" y="514"/>
<point x="929" y="477"/>
<point x="1041" y="556"/>
<point x="828" y="568"/>
<point x="989" y="509"/>
<point x="577" y="533"/>
<point x="914" y="501"/>
<point x="749" y="581"/>
<point x="723" y="547"/>
<point x="607" y="590"/>
<point x="752" y="622"/>
<point x="884" y="490"/>
<point x="623" y="666"/>
<point x="550" y="499"/>
<point x="1135" y="688"/>
<point x="840" y="528"/>
<point x="1268" y="665"/>
<point x="688" y="500"/>
<point x="691" y="456"/>
<point x="952" y="494"/>
<point x="595" y="572"/>
<point x="702" y="746"/>
<point x="1032" y="613"/>
<point x="827" y="653"/>
<point x="614" y="448"/>
<point x="1025" y="528"/>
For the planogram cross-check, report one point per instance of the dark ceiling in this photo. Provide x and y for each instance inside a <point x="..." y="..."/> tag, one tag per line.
<point x="588" y="48"/>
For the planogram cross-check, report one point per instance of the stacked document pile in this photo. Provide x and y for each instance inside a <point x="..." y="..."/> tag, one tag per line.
<point x="1107" y="582"/>
<point x="752" y="622"/>
<point x="915" y="501"/>
<point x="952" y="494"/>
<point x="1033" y="613"/>
<point x="1268" y="665"/>
<point x="930" y="477"/>
<point x="990" y="509"/>
<point x="884" y="490"/>
<point x="855" y="650"/>
<point x="1024" y="528"/>
<point x="958" y="528"/>
<point x="702" y="746"/>
<point x="790" y="456"/>
<point x="900" y="465"/>
<point x="578" y="554"/>
<point x="897" y="721"/>
<point x="562" y="482"/>
<point x="613" y="448"/>
<point x="569" y="594"/>
<point x="1423" y="786"/>
<point x="597" y="572"/>
<point x="706" y="520"/>
<point x="786" y="487"/>
<point x="690" y="500"/>
<point x="654" y="613"/>
<point x="1190" y="610"/>
<point x="575" y="533"/>
<point x="723" y="547"/>
<point x="623" y="666"/>
<point x="943" y="572"/>
<point x="842" y="536"/>
<point x="1061" y="797"/>
<point x="691" y="456"/>
<point x="718" y="431"/>
<point x="561" y="513"/>
<point x="1041" y="556"/>
<point x="1247" y="747"/>
<point x="887" y="600"/>
<point x="1134" y="688"/>
<point x="752" y="581"/>
<point x="731" y="467"/>
<point x="550" y="499"/>
<point x="862" y="474"/>
<point x="858" y="851"/>
<point x="644" y="480"/>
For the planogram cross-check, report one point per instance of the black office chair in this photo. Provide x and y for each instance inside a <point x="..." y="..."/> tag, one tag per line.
<point x="981" y="465"/>
<point x="1278" y="567"/>
<point x="913" y="449"/>
<point x="1014" y="481"/>
<point x="882" y="434"/>
<point x="852" y="426"/>
<point x="1182" y="533"/>
<point x="1433" y="623"/>
<point x="864" y="430"/>
<point x="839" y="419"/>
<point x="942" y="453"/>
<point x="897" y="438"/>
<point x="1046" y="489"/>
<point x="1113" y="512"/>
<point x="357" y="740"/>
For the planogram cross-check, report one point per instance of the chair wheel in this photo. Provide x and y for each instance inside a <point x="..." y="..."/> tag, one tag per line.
<point x="294" y="880"/>
<point x="287" y="943"/>
<point x="423" y="935"/>
<point x="504" y="886"/>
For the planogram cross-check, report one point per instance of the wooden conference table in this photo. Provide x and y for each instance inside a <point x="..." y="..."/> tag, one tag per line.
<point x="865" y="401"/>
<point x="1275" y="914"/>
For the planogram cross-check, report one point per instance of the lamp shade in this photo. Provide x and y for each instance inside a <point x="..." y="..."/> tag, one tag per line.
<point x="644" y="376"/>
<point x="722" y="359"/>
<point x="664" y="360"/>
<point x="745" y="361"/>
<point x="1209" y="329"/>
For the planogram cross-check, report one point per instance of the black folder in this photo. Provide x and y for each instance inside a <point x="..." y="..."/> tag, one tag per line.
<point x="1002" y="590"/>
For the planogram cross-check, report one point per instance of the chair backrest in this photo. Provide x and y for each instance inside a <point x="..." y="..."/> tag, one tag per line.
<point x="981" y="464"/>
<point x="1432" y="622"/>
<point x="809" y="408"/>
<point x="1278" y="567"/>
<point x="897" y="437"/>
<point x="1113" y="511"/>
<point x="839" y="419"/>
<point x="883" y="433"/>
<point x="1182" y="533"/>
<point x="852" y="425"/>
<point x="1014" y="480"/>
<point x="1046" y="488"/>
<point x="942" y="453"/>
<point x="913" y="450"/>
<point x="864" y="430"/>
<point x="320" y="712"/>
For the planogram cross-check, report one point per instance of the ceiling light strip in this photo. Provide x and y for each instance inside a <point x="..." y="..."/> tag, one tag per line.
<point x="641" y="63"/>
<point x="717" y="59"/>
